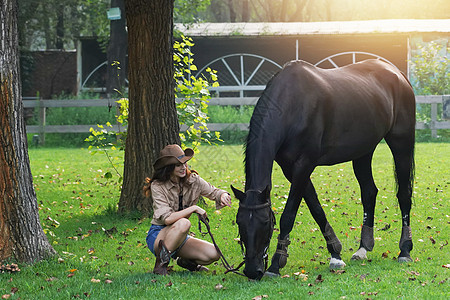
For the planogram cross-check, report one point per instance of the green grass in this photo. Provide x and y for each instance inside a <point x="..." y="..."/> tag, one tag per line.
<point x="103" y="255"/>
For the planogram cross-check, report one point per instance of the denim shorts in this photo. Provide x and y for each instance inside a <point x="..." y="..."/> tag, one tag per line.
<point x="151" y="238"/>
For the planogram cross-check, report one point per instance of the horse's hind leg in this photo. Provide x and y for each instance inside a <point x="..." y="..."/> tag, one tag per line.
<point x="362" y="168"/>
<point x="403" y="152"/>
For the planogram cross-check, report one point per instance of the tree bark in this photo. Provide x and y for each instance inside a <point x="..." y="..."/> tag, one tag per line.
<point x="245" y="11"/>
<point x="117" y="51"/>
<point x="152" y="119"/>
<point x="21" y="234"/>
<point x="232" y="11"/>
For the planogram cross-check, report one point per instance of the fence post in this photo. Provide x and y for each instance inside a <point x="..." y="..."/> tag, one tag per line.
<point x="433" y="120"/>
<point x="41" y="122"/>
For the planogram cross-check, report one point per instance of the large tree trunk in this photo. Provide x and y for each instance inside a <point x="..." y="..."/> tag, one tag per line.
<point x="21" y="234"/>
<point x="152" y="120"/>
<point x="117" y="51"/>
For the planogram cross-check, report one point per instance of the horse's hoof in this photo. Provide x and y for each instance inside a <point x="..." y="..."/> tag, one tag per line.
<point x="270" y="274"/>
<point x="336" y="263"/>
<point x="404" y="259"/>
<point x="361" y="254"/>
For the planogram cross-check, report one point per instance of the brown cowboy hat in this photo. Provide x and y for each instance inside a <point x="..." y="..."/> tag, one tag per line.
<point x="172" y="155"/>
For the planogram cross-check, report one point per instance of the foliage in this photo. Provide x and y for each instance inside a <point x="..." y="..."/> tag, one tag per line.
<point x="193" y="94"/>
<point x="192" y="109"/>
<point x="104" y="255"/>
<point x="38" y="20"/>
<point x="322" y="10"/>
<point x="430" y="76"/>
<point x="186" y="11"/>
<point x="431" y="70"/>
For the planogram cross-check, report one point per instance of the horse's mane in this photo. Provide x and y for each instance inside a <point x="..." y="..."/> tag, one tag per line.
<point x="258" y="117"/>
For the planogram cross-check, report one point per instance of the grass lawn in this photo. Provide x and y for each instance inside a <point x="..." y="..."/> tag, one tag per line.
<point x="103" y="255"/>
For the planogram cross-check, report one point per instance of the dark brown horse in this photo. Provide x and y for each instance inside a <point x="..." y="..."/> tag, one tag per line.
<point x="310" y="117"/>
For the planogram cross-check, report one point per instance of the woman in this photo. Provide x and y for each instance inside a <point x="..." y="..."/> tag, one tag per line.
<point x="175" y="191"/>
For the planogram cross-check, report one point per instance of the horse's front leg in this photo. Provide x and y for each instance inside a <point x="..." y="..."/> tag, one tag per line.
<point x="334" y="245"/>
<point x="298" y="174"/>
<point x="279" y="259"/>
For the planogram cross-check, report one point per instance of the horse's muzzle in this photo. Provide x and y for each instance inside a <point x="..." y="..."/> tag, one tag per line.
<point x="254" y="269"/>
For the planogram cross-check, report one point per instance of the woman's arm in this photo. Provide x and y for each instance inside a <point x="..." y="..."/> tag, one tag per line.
<point x="185" y="213"/>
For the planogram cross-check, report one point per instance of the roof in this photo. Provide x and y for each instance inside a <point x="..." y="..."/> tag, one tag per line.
<point x="317" y="28"/>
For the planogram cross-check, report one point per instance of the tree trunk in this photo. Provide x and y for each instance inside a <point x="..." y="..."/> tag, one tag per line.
<point x="152" y="119"/>
<point x="60" y="26"/>
<point x="117" y="51"/>
<point x="21" y="234"/>
<point x="245" y="11"/>
<point x="232" y="11"/>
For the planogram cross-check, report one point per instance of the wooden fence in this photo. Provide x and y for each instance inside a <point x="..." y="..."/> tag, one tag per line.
<point x="42" y="105"/>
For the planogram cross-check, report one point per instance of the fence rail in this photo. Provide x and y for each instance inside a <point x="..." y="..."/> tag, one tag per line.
<point x="43" y="104"/>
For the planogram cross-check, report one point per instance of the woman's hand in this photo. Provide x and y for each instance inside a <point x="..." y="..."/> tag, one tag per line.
<point x="199" y="210"/>
<point x="225" y="200"/>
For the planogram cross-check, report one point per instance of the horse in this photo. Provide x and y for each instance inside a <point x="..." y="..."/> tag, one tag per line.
<point x="308" y="117"/>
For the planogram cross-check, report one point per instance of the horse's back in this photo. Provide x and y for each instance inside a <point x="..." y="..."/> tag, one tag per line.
<point x="341" y="113"/>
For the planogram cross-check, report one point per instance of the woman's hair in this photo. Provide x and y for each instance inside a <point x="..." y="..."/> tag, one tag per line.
<point x="163" y="174"/>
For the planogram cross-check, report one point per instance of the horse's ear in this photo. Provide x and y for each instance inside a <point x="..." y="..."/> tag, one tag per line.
<point x="237" y="193"/>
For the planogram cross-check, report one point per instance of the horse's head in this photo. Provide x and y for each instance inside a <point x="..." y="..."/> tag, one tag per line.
<point x="256" y="220"/>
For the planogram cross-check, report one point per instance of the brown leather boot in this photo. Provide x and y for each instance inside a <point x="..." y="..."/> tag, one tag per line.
<point x="190" y="265"/>
<point x="162" y="260"/>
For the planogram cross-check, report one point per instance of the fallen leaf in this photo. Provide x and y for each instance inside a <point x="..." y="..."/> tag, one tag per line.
<point x="6" y="296"/>
<point x="95" y="280"/>
<point x="169" y="283"/>
<point x="319" y="278"/>
<point x="14" y="290"/>
<point x="218" y="286"/>
<point x="257" y="298"/>
<point x="385" y="254"/>
<point x="446" y="266"/>
<point x="285" y="276"/>
<point x="337" y="271"/>
<point x="71" y="275"/>
<point x="386" y="227"/>
<point x="108" y="281"/>
<point x="51" y="279"/>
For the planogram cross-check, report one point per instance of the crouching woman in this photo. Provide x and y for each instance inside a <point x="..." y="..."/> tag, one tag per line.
<point x="175" y="191"/>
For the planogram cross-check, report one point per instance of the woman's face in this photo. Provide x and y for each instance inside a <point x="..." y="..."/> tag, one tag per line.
<point x="180" y="170"/>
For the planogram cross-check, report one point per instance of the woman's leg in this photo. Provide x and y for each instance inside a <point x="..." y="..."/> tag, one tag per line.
<point x="173" y="235"/>
<point x="200" y="251"/>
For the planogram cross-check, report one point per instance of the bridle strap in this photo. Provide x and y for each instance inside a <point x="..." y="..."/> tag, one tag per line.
<point x="255" y="207"/>
<point x="258" y="206"/>
<point x="228" y="267"/>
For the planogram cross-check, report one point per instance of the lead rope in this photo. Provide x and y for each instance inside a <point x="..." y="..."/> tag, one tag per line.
<point x="228" y="267"/>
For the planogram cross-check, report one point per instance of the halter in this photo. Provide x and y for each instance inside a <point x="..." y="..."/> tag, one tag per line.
<point x="273" y="222"/>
